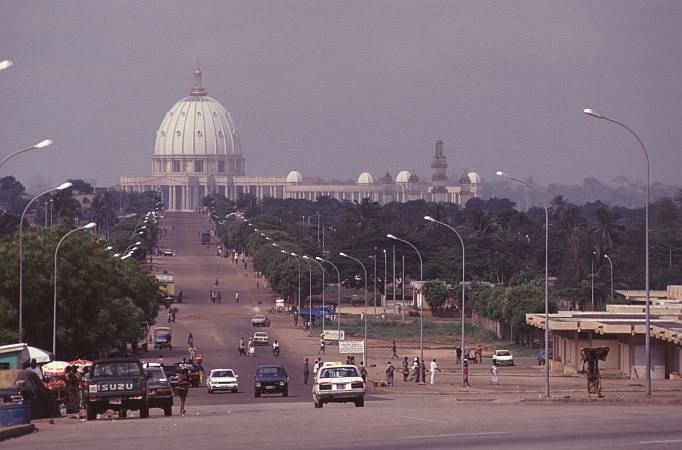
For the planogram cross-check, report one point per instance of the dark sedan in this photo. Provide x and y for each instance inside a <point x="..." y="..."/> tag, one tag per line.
<point x="271" y="379"/>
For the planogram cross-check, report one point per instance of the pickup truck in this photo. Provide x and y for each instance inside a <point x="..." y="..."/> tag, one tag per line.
<point x="119" y="384"/>
<point x="317" y="313"/>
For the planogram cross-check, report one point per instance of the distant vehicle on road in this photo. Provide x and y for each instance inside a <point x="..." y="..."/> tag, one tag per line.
<point x="261" y="338"/>
<point x="206" y="238"/>
<point x="222" y="380"/>
<point x="260" y="320"/>
<point x="167" y="252"/>
<point x="162" y="338"/>
<point x="503" y="358"/>
<point x="541" y="356"/>
<point x="271" y="379"/>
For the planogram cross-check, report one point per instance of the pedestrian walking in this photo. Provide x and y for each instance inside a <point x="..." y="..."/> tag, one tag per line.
<point x="394" y="349"/>
<point x="170" y="315"/>
<point x="242" y="347"/>
<point x="415" y="370"/>
<point x="466" y="374"/>
<point x="406" y="368"/>
<point x="257" y="285"/>
<point x="321" y="345"/>
<point x="479" y="353"/>
<point x="160" y="361"/>
<point x="433" y="367"/>
<point x="459" y="354"/>
<point x="389" y="373"/>
<point x="173" y="312"/>
<point x="306" y="371"/>
<point x="363" y="371"/>
<point x="183" y="388"/>
<point x="316" y="367"/>
<point x="190" y="340"/>
<point x="493" y="374"/>
<point x="236" y="297"/>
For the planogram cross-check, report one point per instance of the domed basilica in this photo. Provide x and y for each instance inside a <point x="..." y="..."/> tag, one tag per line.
<point x="198" y="151"/>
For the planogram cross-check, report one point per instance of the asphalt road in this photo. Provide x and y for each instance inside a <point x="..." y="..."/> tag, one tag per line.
<point x="217" y="328"/>
<point x="387" y="422"/>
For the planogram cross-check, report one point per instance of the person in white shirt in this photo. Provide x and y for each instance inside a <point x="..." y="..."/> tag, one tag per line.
<point x="432" y="368"/>
<point x="33" y="367"/>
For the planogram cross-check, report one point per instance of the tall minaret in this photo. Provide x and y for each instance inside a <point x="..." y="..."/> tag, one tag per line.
<point x="439" y="179"/>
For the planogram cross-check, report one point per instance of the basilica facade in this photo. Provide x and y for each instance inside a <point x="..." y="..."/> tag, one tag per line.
<point x="198" y="151"/>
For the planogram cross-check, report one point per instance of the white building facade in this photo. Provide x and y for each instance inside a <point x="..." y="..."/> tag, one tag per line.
<point x="198" y="151"/>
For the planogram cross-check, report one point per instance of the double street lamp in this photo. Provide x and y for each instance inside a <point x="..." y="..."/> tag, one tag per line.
<point x="324" y="312"/>
<point x="647" y="338"/>
<point x="54" y="306"/>
<point x="431" y="219"/>
<point x="544" y="205"/>
<point x="364" y="347"/>
<point x="21" y="255"/>
<point x="338" y="293"/>
<point x="421" y="312"/>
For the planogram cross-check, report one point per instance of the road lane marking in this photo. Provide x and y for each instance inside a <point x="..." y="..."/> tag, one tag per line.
<point x="455" y="435"/>
<point x="661" y="442"/>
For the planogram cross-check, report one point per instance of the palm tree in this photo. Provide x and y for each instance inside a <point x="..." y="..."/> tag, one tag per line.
<point x="607" y="228"/>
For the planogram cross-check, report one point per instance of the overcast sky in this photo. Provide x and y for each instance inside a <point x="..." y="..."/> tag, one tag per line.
<point x="336" y="88"/>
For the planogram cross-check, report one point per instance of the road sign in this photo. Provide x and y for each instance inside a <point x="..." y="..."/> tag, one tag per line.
<point x="333" y="335"/>
<point x="351" y="346"/>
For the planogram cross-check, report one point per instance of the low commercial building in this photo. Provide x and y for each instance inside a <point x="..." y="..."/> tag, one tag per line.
<point x="622" y="328"/>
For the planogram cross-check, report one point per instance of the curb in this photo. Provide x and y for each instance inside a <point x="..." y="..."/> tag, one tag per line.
<point x="16" y="431"/>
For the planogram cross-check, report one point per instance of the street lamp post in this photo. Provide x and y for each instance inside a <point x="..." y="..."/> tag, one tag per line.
<point x="421" y="312"/>
<point x="54" y="306"/>
<point x="364" y="347"/>
<point x="21" y="256"/>
<point x="375" y="282"/>
<point x="310" y="293"/>
<point x="461" y="241"/>
<point x="385" y="274"/>
<point x="41" y="144"/>
<point x="592" y="284"/>
<point x="544" y="205"/>
<point x="338" y="300"/>
<point x="611" y="266"/>
<point x="299" y="275"/>
<point x="324" y="312"/>
<point x="647" y="338"/>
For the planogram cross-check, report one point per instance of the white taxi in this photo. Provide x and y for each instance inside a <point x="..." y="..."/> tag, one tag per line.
<point x="339" y="384"/>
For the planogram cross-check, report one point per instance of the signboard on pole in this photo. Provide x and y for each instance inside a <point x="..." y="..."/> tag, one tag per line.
<point x="351" y="346"/>
<point x="333" y="336"/>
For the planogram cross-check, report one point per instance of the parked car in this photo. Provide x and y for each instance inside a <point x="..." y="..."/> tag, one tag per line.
<point x="222" y="380"/>
<point x="159" y="390"/>
<point x="271" y="379"/>
<point x="261" y="338"/>
<point x="541" y="356"/>
<point x="167" y="252"/>
<point x="260" y="320"/>
<point x="339" y="384"/>
<point x="503" y="358"/>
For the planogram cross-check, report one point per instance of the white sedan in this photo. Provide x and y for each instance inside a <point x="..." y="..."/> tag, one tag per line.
<point x="222" y="380"/>
<point x="339" y="384"/>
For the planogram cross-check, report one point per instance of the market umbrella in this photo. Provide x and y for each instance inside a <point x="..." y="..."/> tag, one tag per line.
<point x="80" y="363"/>
<point x="55" y="368"/>
<point x="41" y="356"/>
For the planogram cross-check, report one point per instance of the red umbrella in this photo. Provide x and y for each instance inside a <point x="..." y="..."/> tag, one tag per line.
<point x="54" y="368"/>
<point x="80" y="363"/>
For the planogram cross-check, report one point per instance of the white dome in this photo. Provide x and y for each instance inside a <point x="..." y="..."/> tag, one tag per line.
<point x="294" y="177"/>
<point x="474" y="177"/>
<point x="403" y="177"/>
<point x="196" y="126"/>
<point x="365" y="178"/>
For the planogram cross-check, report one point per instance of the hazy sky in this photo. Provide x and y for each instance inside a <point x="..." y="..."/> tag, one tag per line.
<point x="336" y="88"/>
